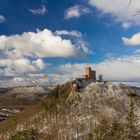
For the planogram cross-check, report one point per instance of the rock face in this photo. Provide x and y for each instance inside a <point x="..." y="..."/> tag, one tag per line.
<point x="72" y="114"/>
<point x="107" y="90"/>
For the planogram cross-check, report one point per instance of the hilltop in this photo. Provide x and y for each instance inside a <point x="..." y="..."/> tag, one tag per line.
<point x="75" y="114"/>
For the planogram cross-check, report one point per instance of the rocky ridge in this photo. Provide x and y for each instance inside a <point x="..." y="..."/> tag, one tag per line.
<point x="70" y="114"/>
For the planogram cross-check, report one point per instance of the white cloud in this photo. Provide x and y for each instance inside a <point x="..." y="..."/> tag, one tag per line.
<point x="69" y="33"/>
<point x="24" y="53"/>
<point x="125" y="68"/>
<point x="39" y="11"/>
<point x="133" y="41"/>
<point x="39" y="64"/>
<point x="81" y="44"/>
<point x="119" y="9"/>
<point x="40" y="44"/>
<point x="2" y="18"/>
<point x="76" y="11"/>
<point x="15" y="67"/>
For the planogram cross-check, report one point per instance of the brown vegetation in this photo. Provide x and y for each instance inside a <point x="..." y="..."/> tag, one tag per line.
<point x="100" y="112"/>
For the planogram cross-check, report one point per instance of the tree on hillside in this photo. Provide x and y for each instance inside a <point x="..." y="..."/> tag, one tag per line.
<point x="132" y="129"/>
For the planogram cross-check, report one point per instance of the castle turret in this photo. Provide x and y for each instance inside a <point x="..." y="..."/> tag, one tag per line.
<point x="89" y="74"/>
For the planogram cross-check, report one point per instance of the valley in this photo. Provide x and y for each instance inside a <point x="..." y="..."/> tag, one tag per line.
<point x="16" y="99"/>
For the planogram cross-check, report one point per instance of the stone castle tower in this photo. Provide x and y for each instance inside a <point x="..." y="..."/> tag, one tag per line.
<point x="89" y="74"/>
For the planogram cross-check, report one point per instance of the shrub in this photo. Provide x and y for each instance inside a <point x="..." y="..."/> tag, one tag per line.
<point x="25" y="135"/>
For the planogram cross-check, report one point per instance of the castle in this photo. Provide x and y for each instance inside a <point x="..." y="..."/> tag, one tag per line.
<point x="89" y="74"/>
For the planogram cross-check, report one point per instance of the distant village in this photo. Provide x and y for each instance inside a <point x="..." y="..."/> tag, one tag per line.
<point x="7" y="113"/>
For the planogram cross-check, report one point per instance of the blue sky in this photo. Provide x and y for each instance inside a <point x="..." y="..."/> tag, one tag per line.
<point x="76" y="33"/>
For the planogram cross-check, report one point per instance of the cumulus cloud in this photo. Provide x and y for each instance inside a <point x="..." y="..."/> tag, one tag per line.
<point x="2" y="18"/>
<point x="132" y="41"/>
<point x="38" y="44"/>
<point x="80" y="43"/>
<point x="39" y="11"/>
<point x="24" y="53"/>
<point x="125" y="68"/>
<point x="76" y="11"/>
<point x="15" y="67"/>
<point x="120" y="10"/>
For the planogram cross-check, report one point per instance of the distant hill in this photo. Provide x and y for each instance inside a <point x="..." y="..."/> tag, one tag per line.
<point x="3" y="90"/>
<point x="135" y="88"/>
<point x="22" y="96"/>
<point x="81" y="114"/>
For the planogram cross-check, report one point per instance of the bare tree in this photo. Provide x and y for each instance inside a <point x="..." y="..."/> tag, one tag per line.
<point x="137" y="11"/>
<point x="130" y="2"/>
